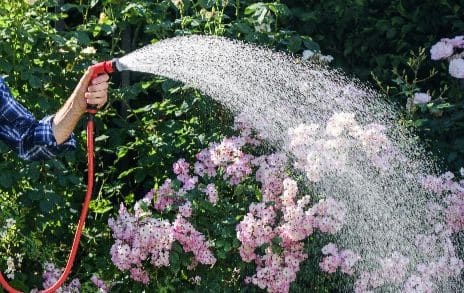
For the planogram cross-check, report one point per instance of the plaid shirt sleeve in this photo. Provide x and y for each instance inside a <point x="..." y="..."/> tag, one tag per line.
<point x="32" y="139"/>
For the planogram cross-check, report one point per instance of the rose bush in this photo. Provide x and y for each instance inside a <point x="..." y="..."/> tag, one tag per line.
<point x="208" y="215"/>
<point x="271" y="235"/>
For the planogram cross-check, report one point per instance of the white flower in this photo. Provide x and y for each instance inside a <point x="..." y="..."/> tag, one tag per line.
<point x="456" y="68"/>
<point x="441" y="50"/>
<point x="326" y="58"/>
<point x="89" y="51"/>
<point x="10" y="223"/>
<point x="307" y="54"/>
<point x="421" y="98"/>
<point x="177" y="3"/>
<point x="461" y="171"/>
<point x="10" y="270"/>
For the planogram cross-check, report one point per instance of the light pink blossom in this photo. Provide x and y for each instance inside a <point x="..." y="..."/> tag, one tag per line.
<point x="186" y="209"/>
<point x="192" y="241"/>
<point x="100" y="284"/>
<point x="441" y="50"/>
<point x="421" y="98"/>
<point x="181" y="167"/>
<point x="212" y="193"/>
<point x="456" y="42"/>
<point x="345" y="259"/>
<point x="456" y="68"/>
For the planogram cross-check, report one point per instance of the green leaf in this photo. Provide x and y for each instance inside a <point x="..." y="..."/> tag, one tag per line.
<point x="251" y="9"/>
<point x="279" y="9"/>
<point x="221" y="254"/>
<point x="311" y="45"/>
<point x="66" y="7"/>
<point x="420" y="122"/>
<point x="35" y="195"/>
<point x="101" y="206"/>
<point x="243" y="28"/>
<point x="46" y="205"/>
<point x="207" y="3"/>
<point x="227" y="246"/>
<point x="139" y="174"/>
<point x="93" y="3"/>
<point x="262" y="15"/>
<point x="294" y="44"/>
<point x="174" y="262"/>
<point x="126" y="173"/>
<point x="82" y="37"/>
<point x="6" y="179"/>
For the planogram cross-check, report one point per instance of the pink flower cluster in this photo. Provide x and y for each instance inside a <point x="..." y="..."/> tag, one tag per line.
<point x="52" y="274"/>
<point x="453" y="193"/>
<point x="165" y="195"/>
<point x="192" y="241"/>
<point x="284" y="222"/>
<point x="212" y="193"/>
<point x="325" y="151"/>
<point x="392" y="271"/>
<point x="255" y="229"/>
<point x="436" y="244"/>
<point x="243" y="125"/>
<point x="226" y="157"/>
<point x="345" y="259"/>
<point x="277" y="271"/>
<point x="395" y="270"/>
<point x="181" y="169"/>
<point x="328" y="215"/>
<point x="270" y="174"/>
<point x="204" y="166"/>
<point x="450" y="49"/>
<point x="140" y="237"/>
<point x="100" y="284"/>
<point x="445" y="47"/>
<point x="421" y="98"/>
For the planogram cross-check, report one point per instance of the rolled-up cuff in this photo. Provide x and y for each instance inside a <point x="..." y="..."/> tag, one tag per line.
<point x="43" y="135"/>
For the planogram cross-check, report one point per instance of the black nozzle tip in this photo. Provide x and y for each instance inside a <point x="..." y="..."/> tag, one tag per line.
<point x="115" y="64"/>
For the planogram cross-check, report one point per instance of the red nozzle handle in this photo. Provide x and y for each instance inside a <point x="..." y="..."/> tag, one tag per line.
<point x="98" y="69"/>
<point x="101" y="68"/>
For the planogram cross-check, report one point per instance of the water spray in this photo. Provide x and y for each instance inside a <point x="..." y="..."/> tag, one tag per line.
<point x="107" y="67"/>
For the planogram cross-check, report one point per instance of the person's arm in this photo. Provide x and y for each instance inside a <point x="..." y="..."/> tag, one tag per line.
<point x="86" y="92"/>
<point x="37" y="140"/>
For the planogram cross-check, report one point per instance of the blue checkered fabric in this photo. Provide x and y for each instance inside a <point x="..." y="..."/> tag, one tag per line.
<point x="32" y="139"/>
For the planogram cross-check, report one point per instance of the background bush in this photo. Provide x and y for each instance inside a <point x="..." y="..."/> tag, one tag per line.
<point x="151" y="121"/>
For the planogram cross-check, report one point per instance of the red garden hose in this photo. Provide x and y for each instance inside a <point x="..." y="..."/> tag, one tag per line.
<point x="80" y="224"/>
<point x="99" y="68"/>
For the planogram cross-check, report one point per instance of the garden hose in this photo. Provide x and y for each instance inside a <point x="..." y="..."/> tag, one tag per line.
<point x="100" y="68"/>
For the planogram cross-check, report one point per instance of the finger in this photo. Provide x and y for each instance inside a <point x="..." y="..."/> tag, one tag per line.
<point x="98" y="87"/>
<point x="96" y="97"/>
<point x="101" y="78"/>
<point x="98" y="102"/>
<point x="84" y="82"/>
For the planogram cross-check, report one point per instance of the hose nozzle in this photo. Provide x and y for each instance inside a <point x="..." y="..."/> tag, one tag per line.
<point x="104" y="67"/>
